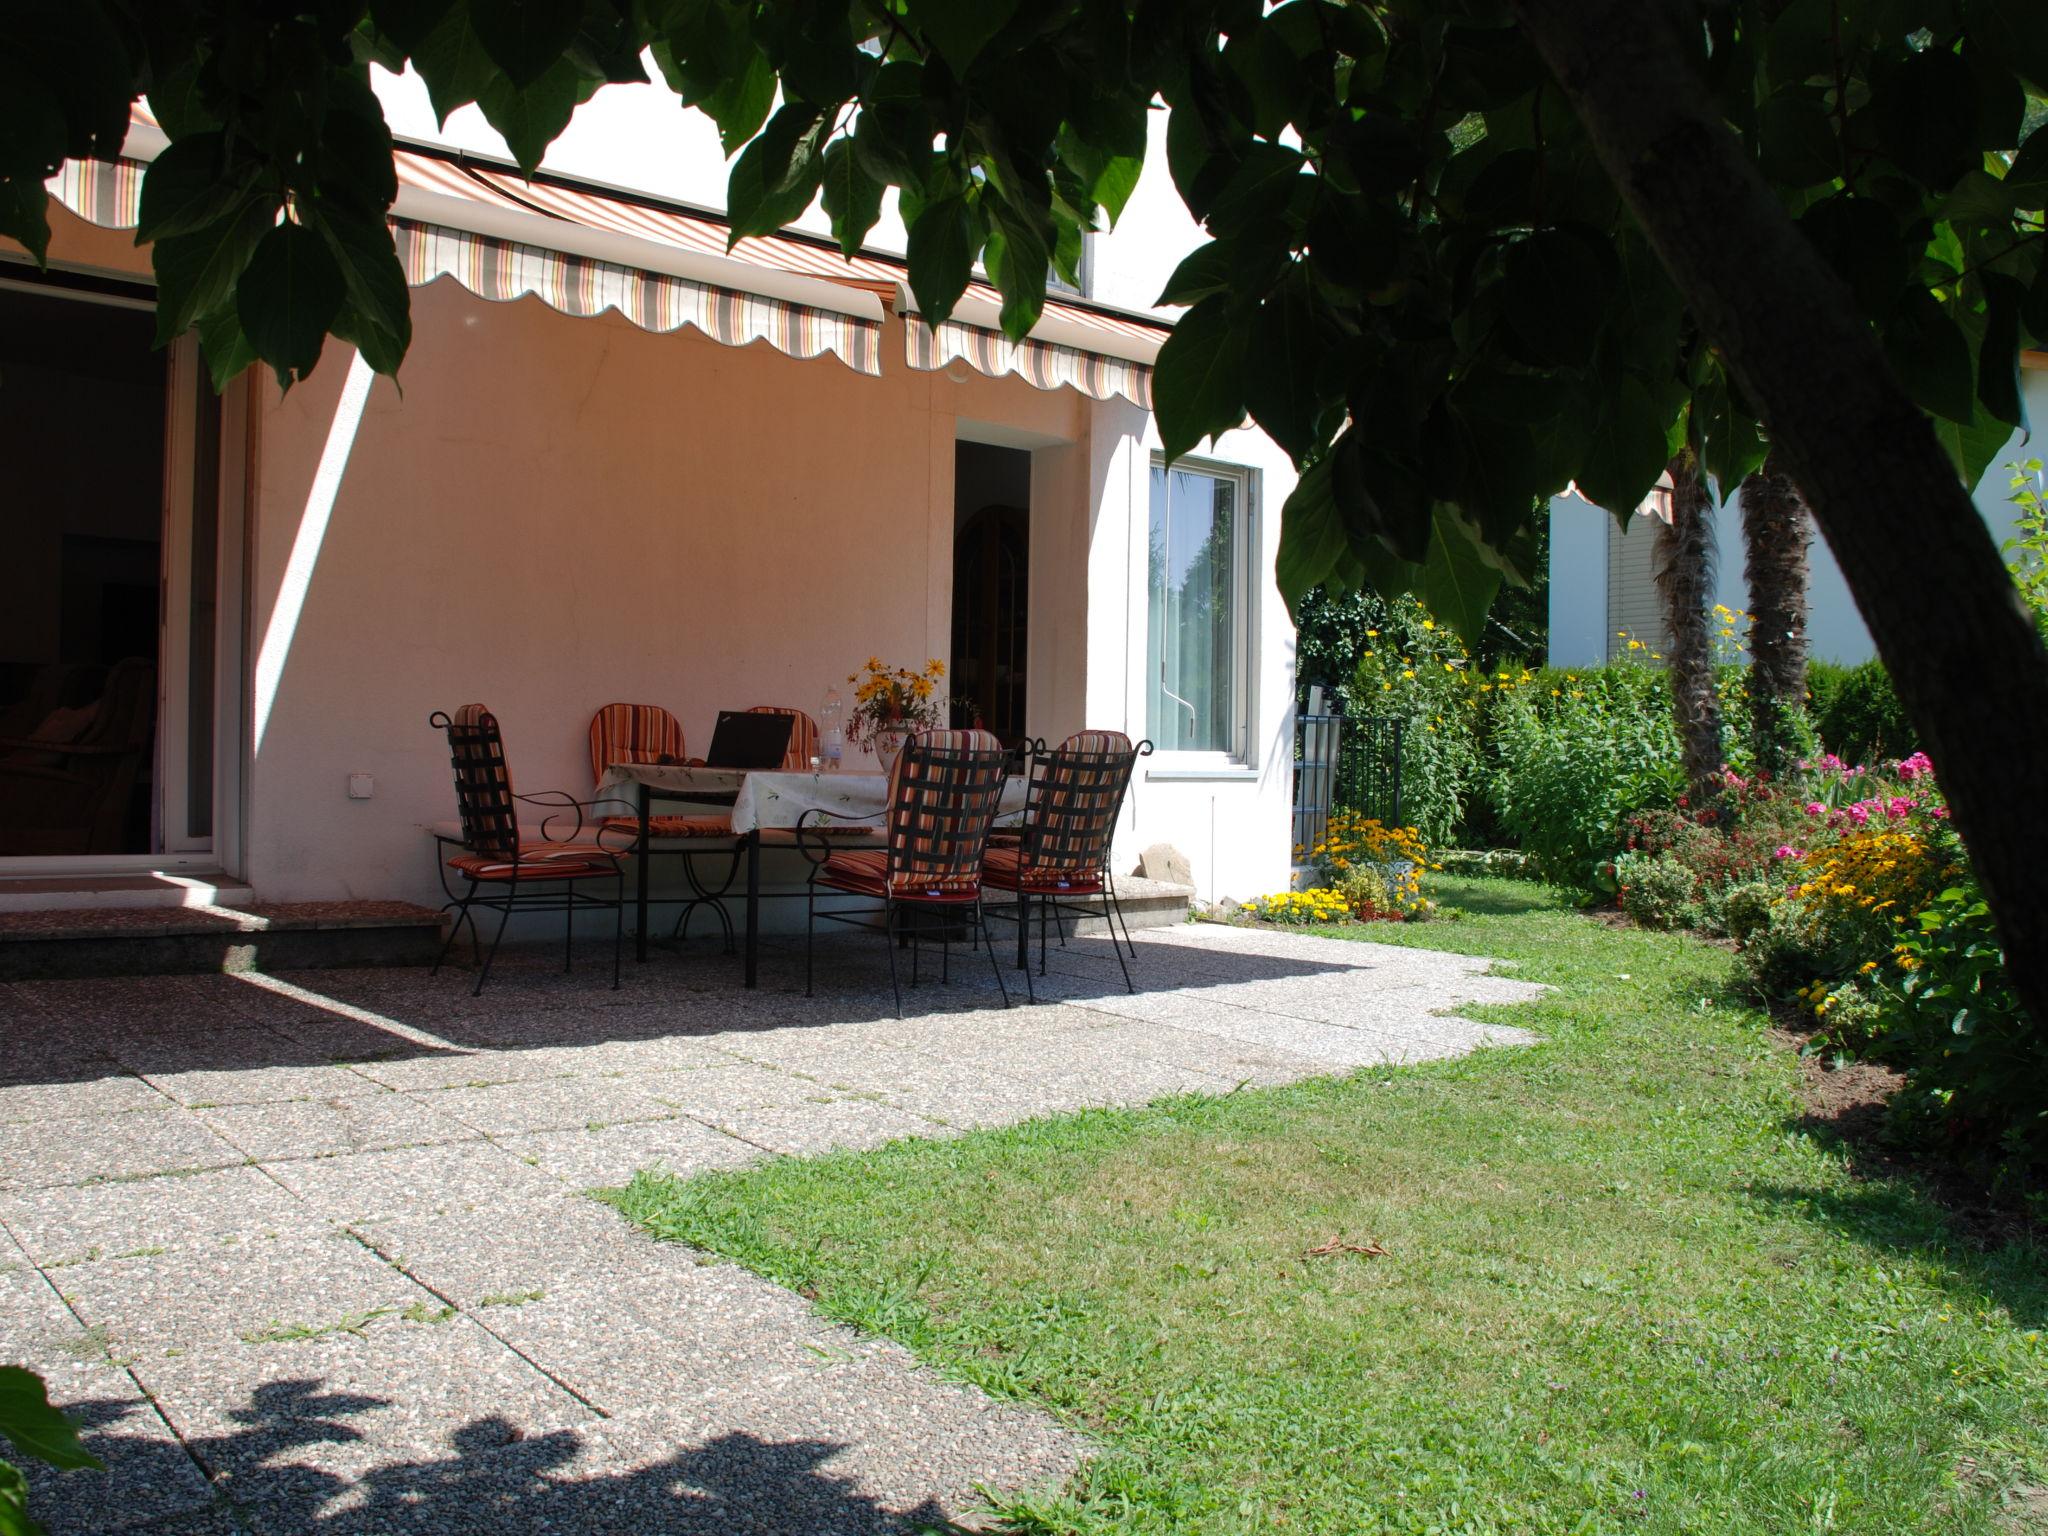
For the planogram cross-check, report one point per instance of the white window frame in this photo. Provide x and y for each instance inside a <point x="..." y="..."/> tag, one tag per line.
<point x="1240" y="759"/>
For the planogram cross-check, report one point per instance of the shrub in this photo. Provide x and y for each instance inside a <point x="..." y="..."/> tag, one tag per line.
<point x="1416" y="671"/>
<point x="1656" y="890"/>
<point x="1746" y="909"/>
<point x="1946" y="1015"/>
<point x="1571" y="763"/>
<point x="1364" y="890"/>
<point x="1857" y="714"/>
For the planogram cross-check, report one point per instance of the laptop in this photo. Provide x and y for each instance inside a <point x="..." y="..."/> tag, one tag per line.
<point x="743" y="739"/>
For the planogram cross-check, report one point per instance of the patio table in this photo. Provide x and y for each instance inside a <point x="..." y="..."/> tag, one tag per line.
<point x="770" y="799"/>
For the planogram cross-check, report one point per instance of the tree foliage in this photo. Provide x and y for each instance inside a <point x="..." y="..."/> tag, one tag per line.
<point x="1419" y="280"/>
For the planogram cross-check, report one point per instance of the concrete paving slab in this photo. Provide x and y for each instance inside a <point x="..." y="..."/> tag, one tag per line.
<point x="122" y="1146"/>
<point x="548" y="1104"/>
<point x="415" y="1181"/>
<point x="196" y="1213"/>
<point x="319" y="1127"/>
<point x="807" y="1129"/>
<point x="610" y="1155"/>
<point x="112" y="1092"/>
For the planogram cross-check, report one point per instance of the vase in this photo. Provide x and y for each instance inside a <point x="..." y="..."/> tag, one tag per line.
<point x="888" y="742"/>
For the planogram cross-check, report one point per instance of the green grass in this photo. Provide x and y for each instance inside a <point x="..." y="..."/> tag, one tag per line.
<point x="1624" y="1288"/>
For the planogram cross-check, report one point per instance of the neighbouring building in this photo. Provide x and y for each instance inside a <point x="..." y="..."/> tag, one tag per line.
<point x="619" y="464"/>
<point x="1603" y="588"/>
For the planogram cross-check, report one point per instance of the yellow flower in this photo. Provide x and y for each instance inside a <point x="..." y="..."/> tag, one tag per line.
<point x="936" y="667"/>
<point x="1429" y="623"/>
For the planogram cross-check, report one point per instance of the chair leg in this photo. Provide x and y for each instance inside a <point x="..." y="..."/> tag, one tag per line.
<point x="981" y="927"/>
<point x="568" y="929"/>
<point x="504" y="917"/>
<point x="1023" y="929"/>
<point x="618" y="925"/>
<point x="462" y="916"/>
<point x="1109" y="922"/>
<point x="1045" y="908"/>
<point x="889" y="937"/>
<point x="1109" y="889"/>
<point x="810" y="933"/>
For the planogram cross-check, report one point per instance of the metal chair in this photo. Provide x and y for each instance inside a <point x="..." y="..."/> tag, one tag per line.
<point x="647" y="733"/>
<point x="944" y="790"/>
<point x="1060" y="859"/>
<point x="506" y="872"/>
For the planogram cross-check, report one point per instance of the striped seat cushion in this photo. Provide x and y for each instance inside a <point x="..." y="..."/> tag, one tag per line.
<point x="553" y="861"/>
<point x="865" y="872"/>
<point x="674" y="826"/>
<point x="1003" y="868"/>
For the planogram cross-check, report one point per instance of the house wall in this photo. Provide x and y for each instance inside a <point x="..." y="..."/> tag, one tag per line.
<point x="1835" y="629"/>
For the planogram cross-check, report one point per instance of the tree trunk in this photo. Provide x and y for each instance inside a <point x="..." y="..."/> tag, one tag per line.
<point x="1684" y="560"/>
<point x="1948" y="622"/>
<point x="1776" y="535"/>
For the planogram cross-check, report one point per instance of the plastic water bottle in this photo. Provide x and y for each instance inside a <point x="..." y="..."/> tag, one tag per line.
<point x="832" y="715"/>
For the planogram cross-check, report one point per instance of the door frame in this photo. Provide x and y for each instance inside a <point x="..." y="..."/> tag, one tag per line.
<point x="179" y="852"/>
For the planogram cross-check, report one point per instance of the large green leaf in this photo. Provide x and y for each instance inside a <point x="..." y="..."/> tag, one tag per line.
<point x="1629" y="448"/>
<point x="191" y="184"/>
<point x="1925" y="112"/>
<point x="1932" y="356"/>
<point x="196" y="273"/>
<point x="1018" y="259"/>
<point x="531" y="117"/>
<point x="1724" y="434"/>
<point x="2015" y="31"/>
<point x="1557" y="289"/>
<point x="1998" y="355"/>
<point x="1205" y="270"/>
<point x="287" y="299"/>
<point x="740" y="104"/>
<point x="853" y="198"/>
<point x="378" y="300"/>
<point x="1198" y="381"/>
<point x="776" y="176"/>
<point x="224" y="348"/>
<point x="36" y="1428"/>
<point x="1457" y="581"/>
<point x="453" y="63"/>
<point x="1973" y="445"/>
<point x="1312" y="536"/>
<point x="1282" y="366"/>
<point x="408" y="22"/>
<point x="525" y="38"/>
<point x="941" y="255"/>
<point x="14" y="1516"/>
<point x="960" y="29"/>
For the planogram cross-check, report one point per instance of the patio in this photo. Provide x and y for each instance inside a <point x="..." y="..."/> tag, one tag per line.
<point x="308" y="1253"/>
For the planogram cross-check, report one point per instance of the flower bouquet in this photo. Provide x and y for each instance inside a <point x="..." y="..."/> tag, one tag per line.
<point x="890" y="703"/>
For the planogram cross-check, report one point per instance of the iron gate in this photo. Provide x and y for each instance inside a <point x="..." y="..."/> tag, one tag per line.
<point x="1344" y="763"/>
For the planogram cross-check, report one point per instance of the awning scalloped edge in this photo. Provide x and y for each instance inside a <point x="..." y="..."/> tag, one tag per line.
<point x="1044" y="364"/>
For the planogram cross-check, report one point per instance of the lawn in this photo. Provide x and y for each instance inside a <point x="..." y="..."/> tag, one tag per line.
<point x="1624" y="1287"/>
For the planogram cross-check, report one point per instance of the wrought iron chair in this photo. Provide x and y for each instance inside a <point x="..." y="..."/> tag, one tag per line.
<point x="647" y="733"/>
<point x="1060" y="860"/>
<point x="505" y="870"/>
<point x="944" y="789"/>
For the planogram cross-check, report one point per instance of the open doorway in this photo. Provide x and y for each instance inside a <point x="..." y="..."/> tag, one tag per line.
<point x="109" y="583"/>
<point x="991" y="587"/>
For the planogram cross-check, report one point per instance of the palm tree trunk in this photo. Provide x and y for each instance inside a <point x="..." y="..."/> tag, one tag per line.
<point x="1685" y="580"/>
<point x="1776" y="535"/>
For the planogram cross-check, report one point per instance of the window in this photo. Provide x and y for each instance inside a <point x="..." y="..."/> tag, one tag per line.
<point x="1197" y="564"/>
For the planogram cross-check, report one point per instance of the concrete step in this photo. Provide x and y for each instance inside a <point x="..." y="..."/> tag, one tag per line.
<point x="72" y="942"/>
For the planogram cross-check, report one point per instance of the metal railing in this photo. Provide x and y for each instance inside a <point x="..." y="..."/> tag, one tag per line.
<point x="1344" y="763"/>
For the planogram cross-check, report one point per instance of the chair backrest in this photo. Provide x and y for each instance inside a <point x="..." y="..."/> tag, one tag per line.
<point x="944" y="790"/>
<point x="803" y="735"/>
<point x="483" y="781"/>
<point x="633" y="733"/>
<point x="1077" y="792"/>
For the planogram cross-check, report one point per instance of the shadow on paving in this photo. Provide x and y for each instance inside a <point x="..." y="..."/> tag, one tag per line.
<point x="492" y="1481"/>
<point x="81" y="1031"/>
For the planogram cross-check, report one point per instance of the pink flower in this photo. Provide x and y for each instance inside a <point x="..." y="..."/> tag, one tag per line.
<point x="1911" y="768"/>
<point x="1787" y="851"/>
<point x="1815" y="808"/>
<point x="1860" y="814"/>
<point x="1900" y="805"/>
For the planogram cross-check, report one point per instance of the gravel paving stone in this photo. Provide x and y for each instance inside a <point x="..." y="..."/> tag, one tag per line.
<point x="147" y="1478"/>
<point x="586" y="1159"/>
<point x="134" y="1145"/>
<point x="317" y="1127"/>
<point x="501" y="1251"/>
<point x="549" y="1104"/>
<point x="177" y="1301"/>
<point x="263" y="1085"/>
<point x="807" y="1129"/>
<point x="411" y="1181"/>
<point x="298" y="1421"/>
<point x="115" y="1092"/>
<point x="194" y="1212"/>
<point x="711" y="1095"/>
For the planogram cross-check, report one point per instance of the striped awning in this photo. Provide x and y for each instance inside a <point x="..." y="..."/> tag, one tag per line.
<point x="1045" y="364"/>
<point x="583" y="249"/>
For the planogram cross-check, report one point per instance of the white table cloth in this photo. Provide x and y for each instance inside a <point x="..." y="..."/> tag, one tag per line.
<point x="776" y="798"/>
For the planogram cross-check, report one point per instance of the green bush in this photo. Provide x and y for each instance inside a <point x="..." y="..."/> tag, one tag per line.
<point x="1416" y="671"/>
<point x="1656" y="890"/>
<point x="1569" y="764"/>
<point x="1975" y="1064"/>
<point x="1856" y="714"/>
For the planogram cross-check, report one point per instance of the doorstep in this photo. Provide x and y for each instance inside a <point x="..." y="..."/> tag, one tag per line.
<point x="63" y="943"/>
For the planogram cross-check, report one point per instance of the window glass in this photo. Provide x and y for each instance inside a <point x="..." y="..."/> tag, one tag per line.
<point x="1191" y="649"/>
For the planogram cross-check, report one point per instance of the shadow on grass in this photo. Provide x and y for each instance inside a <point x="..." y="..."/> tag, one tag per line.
<point x="1992" y="1252"/>
<point x="1495" y="900"/>
<point x="491" y="1478"/>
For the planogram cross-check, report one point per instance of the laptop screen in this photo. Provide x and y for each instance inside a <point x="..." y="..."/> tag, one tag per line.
<point x="743" y="739"/>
